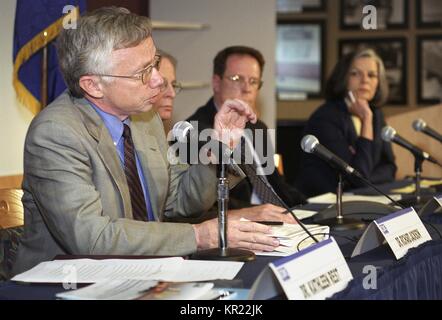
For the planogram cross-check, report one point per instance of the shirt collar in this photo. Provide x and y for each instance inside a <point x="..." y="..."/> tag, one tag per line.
<point x="112" y="123"/>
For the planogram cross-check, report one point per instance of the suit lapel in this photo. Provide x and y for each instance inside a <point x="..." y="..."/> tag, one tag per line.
<point x="153" y="164"/>
<point x="106" y="151"/>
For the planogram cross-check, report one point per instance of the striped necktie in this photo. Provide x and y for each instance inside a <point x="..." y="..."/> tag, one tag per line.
<point x="259" y="187"/>
<point x="137" y="199"/>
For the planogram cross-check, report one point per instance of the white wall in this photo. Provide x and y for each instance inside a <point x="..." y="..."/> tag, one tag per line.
<point x="232" y="22"/>
<point x="14" y="118"/>
<point x="246" y="22"/>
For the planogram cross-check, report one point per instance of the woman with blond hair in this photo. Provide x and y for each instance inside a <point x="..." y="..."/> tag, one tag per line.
<point x="350" y="124"/>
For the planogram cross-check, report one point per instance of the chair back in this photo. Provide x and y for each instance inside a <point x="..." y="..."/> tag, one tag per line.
<point x="11" y="229"/>
<point x="11" y="208"/>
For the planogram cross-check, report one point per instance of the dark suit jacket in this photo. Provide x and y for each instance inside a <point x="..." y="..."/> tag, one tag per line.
<point x="331" y="123"/>
<point x="240" y="195"/>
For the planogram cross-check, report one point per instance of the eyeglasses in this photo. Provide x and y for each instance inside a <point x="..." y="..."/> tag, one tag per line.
<point x="143" y="75"/>
<point x="175" y="85"/>
<point x="241" y="81"/>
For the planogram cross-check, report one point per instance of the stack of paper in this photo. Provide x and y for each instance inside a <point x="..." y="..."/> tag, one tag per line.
<point x="142" y="290"/>
<point x="292" y="238"/>
<point x="164" y="269"/>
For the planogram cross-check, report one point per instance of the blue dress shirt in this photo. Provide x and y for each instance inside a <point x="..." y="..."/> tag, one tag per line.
<point x="115" y="127"/>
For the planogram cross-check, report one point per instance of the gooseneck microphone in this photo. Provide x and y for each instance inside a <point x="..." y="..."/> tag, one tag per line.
<point x="310" y="144"/>
<point x="182" y="130"/>
<point x="390" y="135"/>
<point x="421" y="126"/>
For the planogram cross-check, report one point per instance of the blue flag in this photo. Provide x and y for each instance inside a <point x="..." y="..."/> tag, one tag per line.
<point x="37" y="24"/>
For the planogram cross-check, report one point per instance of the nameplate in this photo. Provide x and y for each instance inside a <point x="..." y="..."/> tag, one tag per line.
<point x="314" y="273"/>
<point x="402" y="231"/>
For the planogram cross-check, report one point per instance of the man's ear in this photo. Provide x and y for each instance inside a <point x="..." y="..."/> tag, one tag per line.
<point x="216" y="83"/>
<point x="91" y="86"/>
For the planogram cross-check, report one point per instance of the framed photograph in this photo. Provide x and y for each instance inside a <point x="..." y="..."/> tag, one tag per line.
<point x="299" y="59"/>
<point x="429" y="13"/>
<point x="393" y="52"/>
<point x="429" y="69"/>
<point x="297" y="6"/>
<point x="374" y="14"/>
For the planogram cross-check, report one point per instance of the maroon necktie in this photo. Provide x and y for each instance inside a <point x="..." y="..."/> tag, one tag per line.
<point x="137" y="200"/>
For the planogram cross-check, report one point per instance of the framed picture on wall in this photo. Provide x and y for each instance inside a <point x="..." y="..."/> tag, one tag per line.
<point x="393" y="52"/>
<point x="297" y="6"/>
<point x="299" y="59"/>
<point x="429" y="69"/>
<point x="429" y="13"/>
<point x="374" y="14"/>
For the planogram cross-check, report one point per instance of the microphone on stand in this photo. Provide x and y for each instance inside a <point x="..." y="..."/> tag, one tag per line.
<point x="310" y="144"/>
<point x="181" y="131"/>
<point x="390" y="135"/>
<point x="421" y="126"/>
<point x="184" y="132"/>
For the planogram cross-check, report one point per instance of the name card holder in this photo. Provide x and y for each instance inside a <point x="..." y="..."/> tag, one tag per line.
<point x="314" y="273"/>
<point x="402" y="231"/>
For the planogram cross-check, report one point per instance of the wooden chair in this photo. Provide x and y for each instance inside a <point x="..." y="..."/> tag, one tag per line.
<point x="11" y="208"/>
<point x="11" y="228"/>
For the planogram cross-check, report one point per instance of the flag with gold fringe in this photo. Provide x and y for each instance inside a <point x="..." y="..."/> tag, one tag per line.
<point x="37" y="24"/>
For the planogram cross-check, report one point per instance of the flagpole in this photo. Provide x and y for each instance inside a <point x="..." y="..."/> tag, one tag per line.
<point x="44" y="73"/>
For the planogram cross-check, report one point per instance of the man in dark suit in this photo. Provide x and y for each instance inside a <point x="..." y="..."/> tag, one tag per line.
<point x="237" y="74"/>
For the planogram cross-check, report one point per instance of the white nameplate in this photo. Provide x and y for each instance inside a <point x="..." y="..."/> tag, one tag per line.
<point x="402" y="230"/>
<point x="314" y="273"/>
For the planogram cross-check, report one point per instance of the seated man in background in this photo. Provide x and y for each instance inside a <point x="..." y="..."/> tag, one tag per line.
<point x="164" y="107"/>
<point x="237" y="73"/>
<point x="96" y="180"/>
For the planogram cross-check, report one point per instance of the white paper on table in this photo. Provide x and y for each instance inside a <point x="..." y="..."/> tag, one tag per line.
<point x="304" y="214"/>
<point x="293" y="238"/>
<point x="164" y="269"/>
<point x="331" y="198"/>
<point x="110" y="290"/>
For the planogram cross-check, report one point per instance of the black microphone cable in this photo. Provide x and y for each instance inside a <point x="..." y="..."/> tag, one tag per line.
<point x="310" y="142"/>
<point x="268" y="186"/>
<point x="367" y="182"/>
<point x="283" y="204"/>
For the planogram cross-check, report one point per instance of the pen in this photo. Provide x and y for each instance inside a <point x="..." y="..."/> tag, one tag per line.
<point x="271" y="223"/>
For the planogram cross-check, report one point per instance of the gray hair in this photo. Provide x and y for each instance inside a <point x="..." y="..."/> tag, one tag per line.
<point x="336" y="86"/>
<point x="168" y="56"/>
<point x="86" y="49"/>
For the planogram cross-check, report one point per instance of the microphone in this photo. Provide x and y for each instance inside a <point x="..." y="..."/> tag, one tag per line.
<point x="421" y="126"/>
<point x="310" y="144"/>
<point x="390" y="135"/>
<point x="181" y="130"/>
<point x="185" y="133"/>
